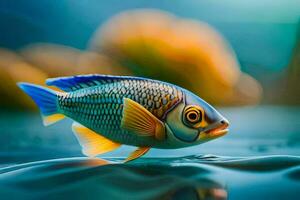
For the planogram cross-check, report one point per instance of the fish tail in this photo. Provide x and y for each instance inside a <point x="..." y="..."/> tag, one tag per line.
<point x="47" y="101"/>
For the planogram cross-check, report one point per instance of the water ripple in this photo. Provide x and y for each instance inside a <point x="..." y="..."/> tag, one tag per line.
<point x="190" y="177"/>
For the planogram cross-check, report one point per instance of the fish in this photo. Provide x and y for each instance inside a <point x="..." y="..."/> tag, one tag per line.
<point x="109" y="111"/>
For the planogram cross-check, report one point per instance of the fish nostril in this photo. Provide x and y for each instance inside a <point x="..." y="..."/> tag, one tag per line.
<point x="224" y="122"/>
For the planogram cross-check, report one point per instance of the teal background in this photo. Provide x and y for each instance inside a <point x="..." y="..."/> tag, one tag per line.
<point x="258" y="159"/>
<point x="262" y="33"/>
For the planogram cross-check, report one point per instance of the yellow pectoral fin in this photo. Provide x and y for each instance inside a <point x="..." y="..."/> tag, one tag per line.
<point x="139" y="120"/>
<point x="92" y="143"/>
<point x="137" y="153"/>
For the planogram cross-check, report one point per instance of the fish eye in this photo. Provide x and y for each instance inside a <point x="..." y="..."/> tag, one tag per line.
<point x="193" y="115"/>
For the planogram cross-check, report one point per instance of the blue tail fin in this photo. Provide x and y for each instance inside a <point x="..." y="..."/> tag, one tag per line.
<point x="46" y="99"/>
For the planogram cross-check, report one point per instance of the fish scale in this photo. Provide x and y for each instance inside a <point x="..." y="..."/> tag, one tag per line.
<point x="100" y="107"/>
<point x="119" y="108"/>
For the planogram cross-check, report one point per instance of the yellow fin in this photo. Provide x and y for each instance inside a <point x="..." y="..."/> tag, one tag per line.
<point x="92" y="143"/>
<point x="137" y="153"/>
<point x="139" y="120"/>
<point x="51" y="119"/>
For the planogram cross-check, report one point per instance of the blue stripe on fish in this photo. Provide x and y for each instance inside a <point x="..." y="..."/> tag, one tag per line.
<point x="83" y="81"/>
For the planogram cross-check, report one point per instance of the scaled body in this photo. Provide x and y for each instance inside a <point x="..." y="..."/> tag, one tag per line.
<point x="112" y="110"/>
<point x="100" y="107"/>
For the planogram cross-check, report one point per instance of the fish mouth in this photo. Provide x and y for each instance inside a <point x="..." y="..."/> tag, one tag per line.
<point x="218" y="131"/>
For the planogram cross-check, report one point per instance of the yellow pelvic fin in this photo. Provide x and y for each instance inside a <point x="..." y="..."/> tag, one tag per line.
<point x="137" y="153"/>
<point x="139" y="120"/>
<point x="51" y="119"/>
<point x="92" y="143"/>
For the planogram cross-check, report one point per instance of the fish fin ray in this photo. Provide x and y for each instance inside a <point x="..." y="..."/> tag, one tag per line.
<point x="92" y="143"/>
<point x="51" y="119"/>
<point x="139" y="120"/>
<point x="140" y="151"/>
<point x="72" y="83"/>
<point x="46" y="100"/>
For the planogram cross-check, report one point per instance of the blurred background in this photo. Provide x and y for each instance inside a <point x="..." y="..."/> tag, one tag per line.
<point x="241" y="56"/>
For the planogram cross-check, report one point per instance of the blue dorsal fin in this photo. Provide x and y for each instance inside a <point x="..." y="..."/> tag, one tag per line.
<point x="73" y="83"/>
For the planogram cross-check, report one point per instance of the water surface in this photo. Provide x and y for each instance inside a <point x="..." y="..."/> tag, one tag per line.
<point x="258" y="159"/>
<point x="192" y="177"/>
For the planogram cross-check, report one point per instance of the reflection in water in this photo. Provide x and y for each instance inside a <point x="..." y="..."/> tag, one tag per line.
<point x="205" y="189"/>
<point x="192" y="177"/>
<point x="96" y="178"/>
<point x="294" y="173"/>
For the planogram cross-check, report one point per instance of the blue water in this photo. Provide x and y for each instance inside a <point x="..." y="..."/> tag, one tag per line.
<point x="258" y="159"/>
<point x="191" y="177"/>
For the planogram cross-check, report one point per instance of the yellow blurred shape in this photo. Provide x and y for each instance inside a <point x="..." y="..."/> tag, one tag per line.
<point x="95" y="63"/>
<point x="58" y="60"/>
<point x="55" y="60"/>
<point x="14" y="69"/>
<point x="40" y="61"/>
<point x="156" y="44"/>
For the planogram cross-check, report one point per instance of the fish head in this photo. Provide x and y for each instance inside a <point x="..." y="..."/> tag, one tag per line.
<point x="194" y="121"/>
